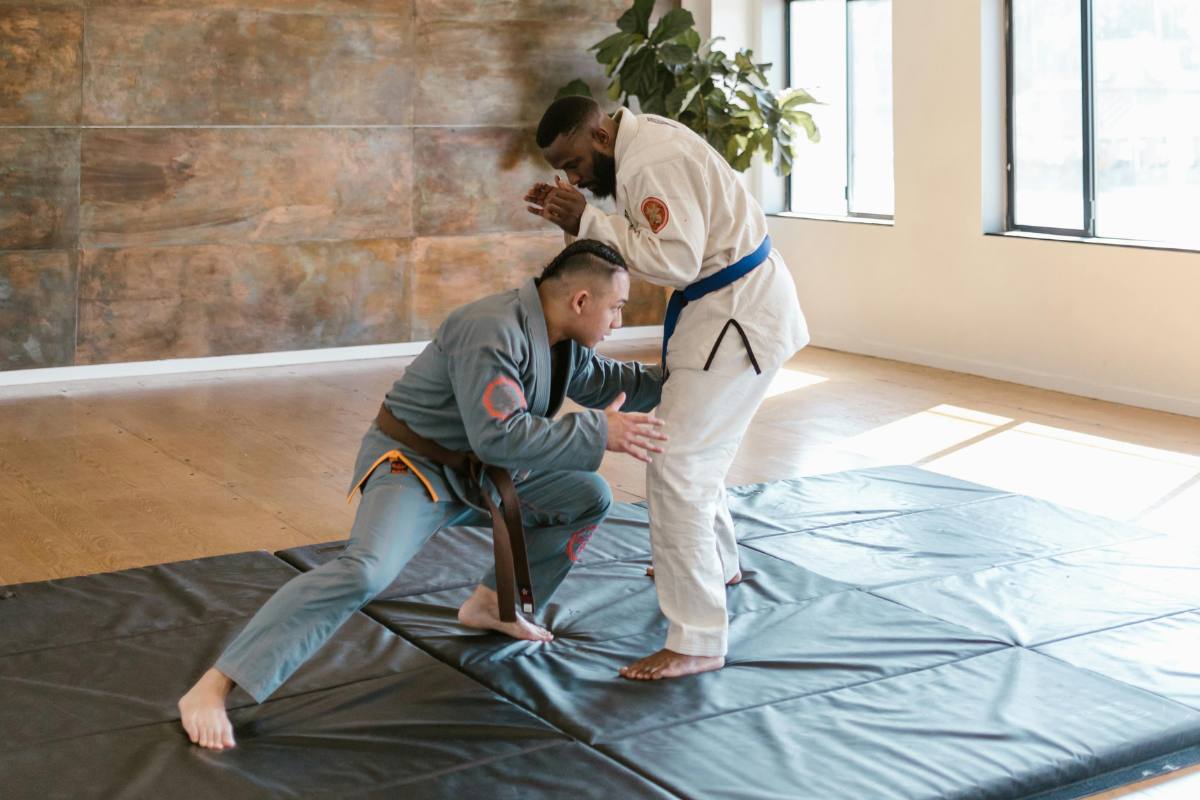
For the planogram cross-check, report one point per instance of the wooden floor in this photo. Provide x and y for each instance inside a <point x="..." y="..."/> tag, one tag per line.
<point x="106" y="475"/>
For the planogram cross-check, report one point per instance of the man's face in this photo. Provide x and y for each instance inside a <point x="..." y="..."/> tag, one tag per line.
<point x="599" y="311"/>
<point x="586" y="160"/>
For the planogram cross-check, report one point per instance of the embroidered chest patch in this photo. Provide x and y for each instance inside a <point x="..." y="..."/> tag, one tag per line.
<point x="656" y="213"/>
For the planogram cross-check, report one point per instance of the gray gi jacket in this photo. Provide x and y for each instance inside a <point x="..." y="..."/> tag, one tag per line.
<point x="490" y="382"/>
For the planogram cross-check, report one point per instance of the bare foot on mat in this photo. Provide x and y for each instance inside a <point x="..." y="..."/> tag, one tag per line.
<point x="482" y="610"/>
<point x="202" y="711"/>
<point x="669" y="664"/>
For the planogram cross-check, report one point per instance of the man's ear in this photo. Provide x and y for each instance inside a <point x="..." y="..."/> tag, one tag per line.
<point x="579" y="299"/>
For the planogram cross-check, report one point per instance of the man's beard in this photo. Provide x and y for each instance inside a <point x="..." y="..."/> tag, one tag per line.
<point x="605" y="182"/>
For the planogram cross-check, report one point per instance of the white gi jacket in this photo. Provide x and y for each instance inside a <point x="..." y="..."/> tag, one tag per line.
<point x="682" y="215"/>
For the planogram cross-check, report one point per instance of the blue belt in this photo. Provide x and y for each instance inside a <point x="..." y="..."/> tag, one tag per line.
<point x="718" y="280"/>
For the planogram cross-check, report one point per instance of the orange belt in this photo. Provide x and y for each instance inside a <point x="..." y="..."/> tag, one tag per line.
<point x="508" y="531"/>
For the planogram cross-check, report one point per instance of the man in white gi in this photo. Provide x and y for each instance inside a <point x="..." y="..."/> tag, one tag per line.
<point x="684" y="221"/>
<point x="490" y="383"/>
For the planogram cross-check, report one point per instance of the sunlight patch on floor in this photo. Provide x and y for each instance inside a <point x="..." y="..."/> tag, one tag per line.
<point x="789" y="380"/>
<point x="1093" y="473"/>
<point x="923" y="434"/>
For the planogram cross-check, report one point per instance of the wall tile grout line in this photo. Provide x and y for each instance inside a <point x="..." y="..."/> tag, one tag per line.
<point x="83" y="75"/>
<point x="518" y="126"/>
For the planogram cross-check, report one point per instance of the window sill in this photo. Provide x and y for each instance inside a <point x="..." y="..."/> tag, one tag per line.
<point x="888" y="221"/>
<point x="1053" y="237"/>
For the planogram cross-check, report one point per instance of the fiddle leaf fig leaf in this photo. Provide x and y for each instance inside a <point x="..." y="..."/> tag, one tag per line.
<point x="798" y="97"/>
<point x="689" y="39"/>
<point x="675" y="54"/>
<point x="637" y="18"/>
<point x="612" y="48"/>
<point x="672" y="24"/>
<point x="638" y="73"/>
<point x="680" y="98"/>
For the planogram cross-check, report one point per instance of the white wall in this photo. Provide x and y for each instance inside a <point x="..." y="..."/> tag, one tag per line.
<point x="1116" y="323"/>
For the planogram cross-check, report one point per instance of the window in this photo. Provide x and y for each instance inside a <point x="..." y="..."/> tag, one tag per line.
<point x="841" y="52"/>
<point x="1104" y="118"/>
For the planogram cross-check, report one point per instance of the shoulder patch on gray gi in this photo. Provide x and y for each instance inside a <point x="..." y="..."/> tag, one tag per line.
<point x="502" y="397"/>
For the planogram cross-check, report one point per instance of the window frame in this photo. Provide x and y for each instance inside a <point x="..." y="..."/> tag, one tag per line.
<point x="1088" y="178"/>
<point x="849" y="176"/>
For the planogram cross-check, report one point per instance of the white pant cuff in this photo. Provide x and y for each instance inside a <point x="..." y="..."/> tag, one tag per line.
<point x="698" y="644"/>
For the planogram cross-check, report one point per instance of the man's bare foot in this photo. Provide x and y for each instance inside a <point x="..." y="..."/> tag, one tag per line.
<point x="737" y="577"/>
<point x="482" y="610"/>
<point x="669" y="664"/>
<point x="202" y="711"/>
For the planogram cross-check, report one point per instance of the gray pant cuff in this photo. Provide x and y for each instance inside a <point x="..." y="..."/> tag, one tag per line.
<point x="256" y="690"/>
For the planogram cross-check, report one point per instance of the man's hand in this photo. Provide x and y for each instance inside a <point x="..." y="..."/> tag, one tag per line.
<point x="537" y="196"/>
<point x="633" y="433"/>
<point x="561" y="204"/>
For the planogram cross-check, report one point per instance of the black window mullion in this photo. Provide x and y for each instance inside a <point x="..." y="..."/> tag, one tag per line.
<point x="789" y="194"/>
<point x="1088" y="227"/>
<point x="787" y="83"/>
<point x="849" y="114"/>
<point x="1010" y="207"/>
<point x="1089" y="127"/>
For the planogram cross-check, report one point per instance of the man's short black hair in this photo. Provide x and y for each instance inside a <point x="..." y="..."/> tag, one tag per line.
<point x="565" y="115"/>
<point x="585" y="255"/>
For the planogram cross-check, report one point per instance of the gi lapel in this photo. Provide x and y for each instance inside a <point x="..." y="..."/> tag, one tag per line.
<point x="538" y="391"/>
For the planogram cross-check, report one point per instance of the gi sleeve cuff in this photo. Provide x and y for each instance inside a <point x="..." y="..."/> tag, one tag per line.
<point x="588" y="222"/>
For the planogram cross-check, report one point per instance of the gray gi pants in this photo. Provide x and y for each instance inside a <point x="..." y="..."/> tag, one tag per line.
<point x="395" y="518"/>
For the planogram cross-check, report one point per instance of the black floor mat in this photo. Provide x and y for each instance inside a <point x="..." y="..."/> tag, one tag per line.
<point x="93" y="666"/>
<point x="897" y="634"/>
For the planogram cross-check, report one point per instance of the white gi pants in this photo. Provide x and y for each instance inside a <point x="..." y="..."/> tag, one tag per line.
<point x="691" y="531"/>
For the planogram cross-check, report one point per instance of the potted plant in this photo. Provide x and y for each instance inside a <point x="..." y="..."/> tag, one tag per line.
<point x="725" y="100"/>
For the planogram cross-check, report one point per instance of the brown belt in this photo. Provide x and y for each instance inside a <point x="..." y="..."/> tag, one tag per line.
<point x="508" y="532"/>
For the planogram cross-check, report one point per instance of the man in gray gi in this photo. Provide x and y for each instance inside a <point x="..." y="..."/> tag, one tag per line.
<point x="490" y="382"/>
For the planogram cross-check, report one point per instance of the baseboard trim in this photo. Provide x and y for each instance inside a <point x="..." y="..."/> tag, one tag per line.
<point x="175" y="366"/>
<point x="1005" y="372"/>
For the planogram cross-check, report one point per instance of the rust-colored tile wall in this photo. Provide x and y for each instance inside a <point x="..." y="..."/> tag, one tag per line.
<point x="160" y="186"/>
<point x="39" y="188"/>
<point x="137" y="302"/>
<point x="455" y="267"/>
<point x="39" y="70"/>
<point x="37" y="308"/>
<point x="464" y="179"/>
<point x="182" y="179"/>
<point x="247" y="67"/>
<point x="498" y="72"/>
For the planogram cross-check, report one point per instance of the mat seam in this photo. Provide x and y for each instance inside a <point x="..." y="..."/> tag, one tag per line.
<point x="518" y="705"/>
<point x="1000" y="647"/>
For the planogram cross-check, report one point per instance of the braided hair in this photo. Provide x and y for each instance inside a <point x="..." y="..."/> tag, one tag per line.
<point x="587" y="255"/>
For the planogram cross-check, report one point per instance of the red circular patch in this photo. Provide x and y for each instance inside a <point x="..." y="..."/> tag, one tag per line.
<point x="579" y="540"/>
<point x="502" y="397"/>
<point x="656" y="213"/>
